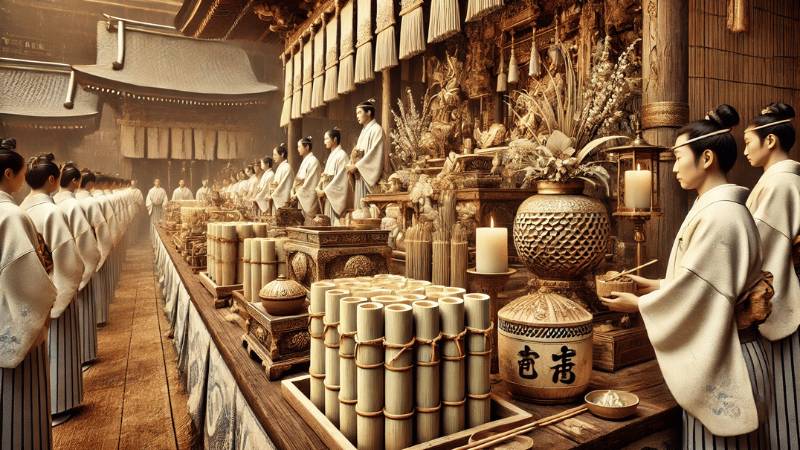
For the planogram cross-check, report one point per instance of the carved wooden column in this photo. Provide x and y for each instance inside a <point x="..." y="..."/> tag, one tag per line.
<point x="665" y="108"/>
<point x="293" y="134"/>
<point x="390" y="92"/>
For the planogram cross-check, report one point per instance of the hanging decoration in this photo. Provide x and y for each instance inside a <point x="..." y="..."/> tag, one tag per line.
<point x="286" y="113"/>
<point x="332" y="58"/>
<point x="308" y="78"/>
<point x="412" y="29"/>
<point x="445" y="20"/>
<point x="478" y="9"/>
<point x="513" y="66"/>
<point x="297" y="85"/>
<point x="318" y="86"/>
<point x="385" y="47"/>
<point x="346" y="76"/>
<point x="502" y="78"/>
<point x="535" y="65"/>
<point x="364" y="72"/>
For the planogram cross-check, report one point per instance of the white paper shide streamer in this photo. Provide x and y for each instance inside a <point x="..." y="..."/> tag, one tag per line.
<point x="478" y="9"/>
<point x="346" y="71"/>
<point x="385" y="47"/>
<point x="318" y="86"/>
<point x="445" y="20"/>
<point x="412" y="29"/>
<point x="286" y="113"/>
<point x="308" y="76"/>
<point x="297" y="85"/>
<point x="331" y="60"/>
<point x="364" y="72"/>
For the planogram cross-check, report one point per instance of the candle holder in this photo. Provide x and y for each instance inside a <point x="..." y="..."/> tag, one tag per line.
<point x="491" y="284"/>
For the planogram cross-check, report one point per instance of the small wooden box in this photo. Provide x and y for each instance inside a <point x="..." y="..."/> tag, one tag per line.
<point x="620" y="348"/>
<point x="280" y="342"/>
<point x="221" y="294"/>
<point x="296" y="392"/>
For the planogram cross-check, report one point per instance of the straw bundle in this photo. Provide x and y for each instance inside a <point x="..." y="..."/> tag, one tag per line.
<point x="332" y="58"/>
<point x="243" y="231"/>
<point x="445" y="20"/>
<point x="286" y="113"/>
<point x="385" y="46"/>
<point x="347" y="366"/>
<point x="331" y="333"/>
<point x="453" y="392"/>
<point x="427" y="396"/>
<point x="458" y="257"/>
<point x="478" y="9"/>
<point x="316" y="329"/>
<point x="370" y="388"/>
<point x="412" y="29"/>
<point x="308" y="76"/>
<point x="363" y="71"/>
<point x="346" y="73"/>
<point x="477" y="309"/>
<point x="297" y="84"/>
<point x="418" y="252"/>
<point x="318" y="87"/>
<point x="399" y="399"/>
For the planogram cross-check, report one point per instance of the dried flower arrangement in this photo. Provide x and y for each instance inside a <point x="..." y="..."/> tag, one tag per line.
<point x="412" y="123"/>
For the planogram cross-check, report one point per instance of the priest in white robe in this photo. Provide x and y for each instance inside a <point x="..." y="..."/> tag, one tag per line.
<point x="335" y="189"/>
<point x="281" y="187"/>
<point x="204" y="193"/>
<point x="264" y="185"/>
<point x="370" y="167"/>
<point x="182" y="192"/>
<point x="155" y="201"/>
<point x="306" y="181"/>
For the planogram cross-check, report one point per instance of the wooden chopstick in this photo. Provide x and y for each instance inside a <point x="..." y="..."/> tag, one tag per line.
<point x="627" y="272"/>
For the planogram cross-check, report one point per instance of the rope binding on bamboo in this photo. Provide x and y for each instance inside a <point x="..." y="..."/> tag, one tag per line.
<point x="432" y="343"/>
<point x="487" y="336"/>
<point x="374" y="343"/>
<point x="422" y="410"/>
<point x="457" y="338"/>
<point x="403" y="348"/>
<point x="398" y="416"/>
<point x="327" y="327"/>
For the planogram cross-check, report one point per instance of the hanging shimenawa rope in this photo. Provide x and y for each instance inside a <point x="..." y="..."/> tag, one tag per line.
<point x="286" y="113"/>
<point x="308" y="76"/>
<point x="364" y="72"/>
<point x="385" y="46"/>
<point x="318" y="86"/>
<point x="346" y="72"/>
<point x="332" y="58"/>
<point x="297" y="84"/>
<point x="445" y="20"/>
<point x="412" y="29"/>
<point x="478" y="9"/>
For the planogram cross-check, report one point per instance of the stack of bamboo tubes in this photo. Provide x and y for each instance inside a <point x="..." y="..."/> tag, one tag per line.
<point x="228" y="261"/>
<point x="316" y="329"/>
<point x="418" y="252"/>
<point x="347" y="366"/>
<point x="244" y="231"/>
<point x="255" y="268"/>
<point x="332" y="343"/>
<point x="477" y="309"/>
<point x="246" y="284"/>
<point x="369" y="358"/>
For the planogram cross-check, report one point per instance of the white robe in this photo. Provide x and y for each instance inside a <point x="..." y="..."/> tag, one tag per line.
<point x="263" y="189"/>
<point x="157" y="196"/>
<point x="27" y="293"/>
<point x="716" y="257"/>
<point x="371" y="142"/>
<point x="204" y="194"/>
<point x="252" y="186"/>
<point x="306" y="192"/>
<point x="182" y="193"/>
<point x="51" y="222"/>
<point x="338" y="187"/>
<point x="108" y="213"/>
<point x="284" y="178"/>
<point x="241" y="189"/>
<point x="82" y="232"/>
<point x="775" y="204"/>
<point x="94" y="214"/>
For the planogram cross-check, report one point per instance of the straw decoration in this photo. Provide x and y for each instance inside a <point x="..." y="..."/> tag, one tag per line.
<point x="364" y="72"/>
<point x="286" y="113"/>
<point x="535" y="65"/>
<point x="502" y="78"/>
<point x="412" y="29"/>
<point x="478" y="9"/>
<point x="445" y="20"/>
<point x="418" y="250"/>
<point x="440" y="272"/>
<point x="385" y="47"/>
<point x="318" y="86"/>
<point x="308" y="72"/>
<point x="297" y="85"/>
<point x="458" y="257"/>
<point x="332" y="59"/>
<point x="513" y="66"/>
<point x="346" y="73"/>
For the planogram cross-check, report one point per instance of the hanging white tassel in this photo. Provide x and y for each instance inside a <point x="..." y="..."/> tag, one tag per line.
<point x="412" y="29"/>
<point x="297" y="85"/>
<point x="308" y="76"/>
<point x="364" y="68"/>
<point x="318" y="86"/>
<point x="286" y="113"/>
<point x="445" y="20"/>
<point x="513" y="67"/>
<point x="346" y="59"/>
<point x="535" y="66"/>
<point x="332" y="59"/>
<point x="385" y="46"/>
<point x="502" y="78"/>
<point x="478" y="9"/>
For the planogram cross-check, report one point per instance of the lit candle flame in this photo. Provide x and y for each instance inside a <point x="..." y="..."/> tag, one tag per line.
<point x="492" y="222"/>
<point x="638" y="166"/>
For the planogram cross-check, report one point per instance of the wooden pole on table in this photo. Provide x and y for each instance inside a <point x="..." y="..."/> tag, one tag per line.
<point x="347" y="366"/>
<point x="453" y="392"/>
<point x="427" y="394"/>
<point x="399" y="398"/>
<point x="478" y="310"/>
<point x="369" y="369"/>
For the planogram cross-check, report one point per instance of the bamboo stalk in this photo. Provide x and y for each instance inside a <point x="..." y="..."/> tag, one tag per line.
<point x="385" y="46"/>
<point x="331" y="58"/>
<point x="244" y="231"/>
<point x="255" y="268"/>
<point x="229" y="253"/>
<point x="412" y="29"/>
<point x="445" y="20"/>
<point x="318" y="86"/>
<point x="363" y="69"/>
<point x="370" y="388"/>
<point x="297" y="94"/>
<point x="399" y="398"/>
<point x="316" y="369"/>
<point x="346" y="83"/>
<point x="331" y="339"/>
<point x="268" y="264"/>
<point x="210" y="239"/>
<point x="458" y="257"/>
<point x="427" y="395"/>
<point x="453" y="391"/>
<point x="347" y="366"/>
<point x="409" y="299"/>
<point x="246" y="284"/>
<point x="308" y="76"/>
<point x="260" y="229"/>
<point x="288" y="70"/>
<point x="478" y="317"/>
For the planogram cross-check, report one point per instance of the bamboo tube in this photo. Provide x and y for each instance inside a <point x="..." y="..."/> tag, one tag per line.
<point x="331" y="58"/>
<point x="433" y="289"/>
<point x="218" y="254"/>
<point x="286" y="112"/>
<point x="316" y="328"/>
<point x="347" y="366"/>
<point x="318" y="86"/>
<point x="399" y="381"/>
<point x="411" y="284"/>
<point x="405" y="291"/>
<point x="370" y="388"/>
<point x="363" y="70"/>
<point x="331" y="339"/>
<point x="281" y="255"/>
<point x="246" y="284"/>
<point x="387" y="300"/>
<point x="445" y="20"/>
<point x="230" y="243"/>
<point x="458" y="257"/>
<point x="385" y="46"/>
<point x="243" y="231"/>
<point x="365" y="279"/>
<point x="478" y="9"/>
<point x="346" y="84"/>
<point x="260" y="229"/>
<point x="339" y="282"/>
<point x="370" y="292"/>
<point x="478" y="318"/>
<point x="409" y="299"/>
<point x="210" y="269"/>
<point x="453" y="332"/>
<point x="297" y="85"/>
<point x="255" y="268"/>
<point x="389" y="277"/>
<point x="427" y="394"/>
<point x="308" y="71"/>
<point x="268" y="264"/>
<point x="412" y="29"/>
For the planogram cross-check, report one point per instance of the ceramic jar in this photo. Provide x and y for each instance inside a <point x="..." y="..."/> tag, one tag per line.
<point x="545" y="348"/>
<point x="282" y="297"/>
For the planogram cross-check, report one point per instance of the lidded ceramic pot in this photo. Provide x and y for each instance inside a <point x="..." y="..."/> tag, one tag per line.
<point x="545" y="348"/>
<point x="282" y="297"/>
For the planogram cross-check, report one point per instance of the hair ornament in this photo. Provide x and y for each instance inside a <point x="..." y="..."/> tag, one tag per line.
<point x="714" y="133"/>
<point x="766" y="125"/>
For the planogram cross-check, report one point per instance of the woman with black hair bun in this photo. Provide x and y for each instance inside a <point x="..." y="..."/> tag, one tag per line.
<point x="334" y="185"/>
<point x="775" y="205"/>
<point x="90" y="254"/>
<point x="26" y="298"/>
<point x="281" y="186"/>
<point x="713" y="288"/>
<point x="263" y="184"/>
<point x="64" y="338"/>
<point x="306" y="180"/>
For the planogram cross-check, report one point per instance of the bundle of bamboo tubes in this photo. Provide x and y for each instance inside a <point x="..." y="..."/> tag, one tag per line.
<point x="318" y="86"/>
<point x="286" y="113"/>
<point x="445" y="20"/>
<point x="210" y="238"/>
<point x="477" y="308"/>
<point x="453" y="373"/>
<point x="346" y="83"/>
<point x="418" y="252"/>
<point x="363" y="69"/>
<point x="297" y="84"/>
<point x="229" y="242"/>
<point x="316" y="329"/>
<point x="369" y="358"/>
<point x="308" y="76"/>
<point x="458" y="257"/>
<point x="478" y="9"/>
<point x="246" y="284"/>
<point x="399" y="399"/>
<point x="332" y="343"/>
<point x="255" y="268"/>
<point x="385" y="46"/>
<point x="347" y="366"/>
<point x="269" y="263"/>
<point x="412" y="29"/>
<point x="244" y="231"/>
<point x="332" y="58"/>
<point x="427" y="396"/>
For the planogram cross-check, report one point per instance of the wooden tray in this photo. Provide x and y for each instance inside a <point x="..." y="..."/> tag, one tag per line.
<point x="620" y="348"/>
<point x="221" y="294"/>
<point x="295" y="391"/>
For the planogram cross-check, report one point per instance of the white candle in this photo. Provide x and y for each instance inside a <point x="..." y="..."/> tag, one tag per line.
<point x="638" y="189"/>
<point x="491" y="253"/>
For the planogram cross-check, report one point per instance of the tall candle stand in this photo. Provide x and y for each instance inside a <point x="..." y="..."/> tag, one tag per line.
<point x="491" y="284"/>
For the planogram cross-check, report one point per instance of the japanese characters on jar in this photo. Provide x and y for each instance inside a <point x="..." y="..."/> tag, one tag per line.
<point x="545" y="348"/>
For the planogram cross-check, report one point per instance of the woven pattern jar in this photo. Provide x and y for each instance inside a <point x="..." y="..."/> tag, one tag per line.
<point x="282" y="297"/>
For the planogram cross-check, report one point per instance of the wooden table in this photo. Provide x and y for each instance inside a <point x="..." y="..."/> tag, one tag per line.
<point x="657" y="409"/>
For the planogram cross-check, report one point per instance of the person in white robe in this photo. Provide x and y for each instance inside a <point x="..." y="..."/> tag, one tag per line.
<point x="264" y="185"/>
<point x="155" y="202"/>
<point x="182" y="192"/>
<point x="775" y="205"/>
<point x="281" y="187"/>
<point x="26" y="298"/>
<point x="370" y="167"/>
<point x="94" y="213"/>
<point x="204" y="194"/>
<point x="718" y="376"/>
<point x="108" y="272"/>
<point x="64" y="337"/>
<point x="335" y="188"/>
<point x="306" y="181"/>
<point x="251" y="181"/>
<point x="89" y="251"/>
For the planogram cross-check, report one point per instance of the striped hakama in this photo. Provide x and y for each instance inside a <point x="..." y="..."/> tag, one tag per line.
<point x="100" y="294"/>
<point x="784" y="415"/>
<point x="25" y="421"/>
<point x="696" y="436"/>
<point x="330" y="212"/>
<point x="360" y="191"/>
<point x="87" y="318"/>
<point x="64" y="346"/>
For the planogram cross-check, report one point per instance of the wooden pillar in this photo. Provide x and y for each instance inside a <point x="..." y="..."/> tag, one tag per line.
<point x="665" y="108"/>
<point x="390" y="92"/>
<point x="294" y="133"/>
